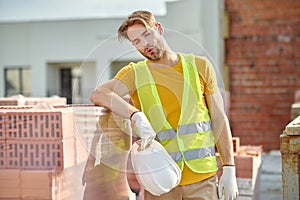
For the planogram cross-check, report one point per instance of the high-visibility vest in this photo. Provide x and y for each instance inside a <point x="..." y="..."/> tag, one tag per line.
<point x="192" y="143"/>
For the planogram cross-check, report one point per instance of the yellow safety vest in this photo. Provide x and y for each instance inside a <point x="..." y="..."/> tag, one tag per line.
<point x="193" y="142"/>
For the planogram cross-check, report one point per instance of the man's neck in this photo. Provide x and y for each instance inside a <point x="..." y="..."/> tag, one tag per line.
<point x="169" y="59"/>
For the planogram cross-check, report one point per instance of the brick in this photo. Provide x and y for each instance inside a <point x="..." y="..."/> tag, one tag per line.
<point x="10" y="184"/>
<point x="8" y="102"/>
<point x="235" y="143"/>
<point x="26" y="123"/>
<point x="36" y="184"/>
<point x="33" y="125"/>
<point x="41" y="184"/>
<point x="247" y="162"/>
<point x="31" y="101"/>
<point x="42" y="155"/>
<point x="34" y="154"/>
<point x="54" y="185"/>
<point x="57" y="101"/>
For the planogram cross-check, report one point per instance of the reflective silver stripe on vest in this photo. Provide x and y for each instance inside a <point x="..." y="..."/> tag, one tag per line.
<point x="193" y="154"/>
<point x="194" y="128"/>
<point x="184" y="129"/>
<point x="166" y="134"/>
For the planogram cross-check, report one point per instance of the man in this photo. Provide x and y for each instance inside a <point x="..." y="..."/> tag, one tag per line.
<point x="176" y="100"/>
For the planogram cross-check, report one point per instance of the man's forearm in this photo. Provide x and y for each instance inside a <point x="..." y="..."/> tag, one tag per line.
<point x="225" y="145"/>
<point x="112" y="101"/>
<point x="220" y="128"/>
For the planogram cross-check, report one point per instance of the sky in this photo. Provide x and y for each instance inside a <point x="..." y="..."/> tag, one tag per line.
<point x="43" y="10"/>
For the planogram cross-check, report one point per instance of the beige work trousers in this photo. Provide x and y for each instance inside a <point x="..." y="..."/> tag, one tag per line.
<point x="203" y="190"/>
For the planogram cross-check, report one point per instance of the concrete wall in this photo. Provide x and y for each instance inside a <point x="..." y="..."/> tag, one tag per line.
<point x="191" y="26"/>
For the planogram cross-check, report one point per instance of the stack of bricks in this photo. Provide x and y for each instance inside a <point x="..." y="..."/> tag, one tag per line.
<point x="54" y="153"/>
<point x="107" y="138"/>
<point x="36" y="145"/>
<point x="247" y="160"/>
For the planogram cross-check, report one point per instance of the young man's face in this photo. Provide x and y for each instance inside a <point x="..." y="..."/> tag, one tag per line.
<point x="147" y="41"/>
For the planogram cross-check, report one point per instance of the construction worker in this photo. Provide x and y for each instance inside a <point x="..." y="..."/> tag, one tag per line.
<point x="177" y="102"/>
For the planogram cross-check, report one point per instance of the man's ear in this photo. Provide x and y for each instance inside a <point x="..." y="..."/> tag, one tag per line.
<point x="159" y="28"/>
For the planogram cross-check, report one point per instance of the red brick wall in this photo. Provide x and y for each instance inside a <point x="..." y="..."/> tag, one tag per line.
<point x="263" y="53"/>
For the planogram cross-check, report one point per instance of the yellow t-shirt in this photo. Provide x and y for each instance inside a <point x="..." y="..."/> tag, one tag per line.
<point x="169" y="83"/>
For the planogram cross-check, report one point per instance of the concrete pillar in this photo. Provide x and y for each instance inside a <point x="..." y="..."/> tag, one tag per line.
<point x="290" y="151"/>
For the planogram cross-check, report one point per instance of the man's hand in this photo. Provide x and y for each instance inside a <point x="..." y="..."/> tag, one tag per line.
<point x="228" y="185"/>
<point x="143" y="128"/>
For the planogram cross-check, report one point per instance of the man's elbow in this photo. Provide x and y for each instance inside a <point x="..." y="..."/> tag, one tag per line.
<point x="96" y="96"/>
<point x="100" y="96"/>
<point x="93" y="97"/>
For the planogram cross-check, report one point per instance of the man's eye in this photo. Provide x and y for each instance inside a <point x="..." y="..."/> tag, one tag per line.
<point x="136" y="42"/>
<point x="147" y="34"/>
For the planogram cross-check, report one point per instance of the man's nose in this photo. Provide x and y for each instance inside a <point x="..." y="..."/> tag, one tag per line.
<point x="144" y="43"/>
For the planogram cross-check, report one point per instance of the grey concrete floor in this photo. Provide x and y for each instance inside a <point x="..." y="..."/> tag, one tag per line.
<point x="269" y="180"/>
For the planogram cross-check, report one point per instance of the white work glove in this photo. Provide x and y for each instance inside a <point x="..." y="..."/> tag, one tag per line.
<point x="143" y="128"/>
<point x="228" y="186"/>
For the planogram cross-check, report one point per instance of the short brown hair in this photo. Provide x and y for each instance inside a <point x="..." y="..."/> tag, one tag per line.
<point x="138" y="17"/>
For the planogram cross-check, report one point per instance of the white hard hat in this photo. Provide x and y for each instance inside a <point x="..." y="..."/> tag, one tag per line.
<point x="155" y="170"/>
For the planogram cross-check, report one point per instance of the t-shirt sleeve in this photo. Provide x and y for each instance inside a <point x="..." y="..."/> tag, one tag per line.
<point x="207" y="75"/>
<point x="126" y="75"/>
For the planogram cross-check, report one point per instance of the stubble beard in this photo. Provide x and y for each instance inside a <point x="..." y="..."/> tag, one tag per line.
<point x="155" y="56"/>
